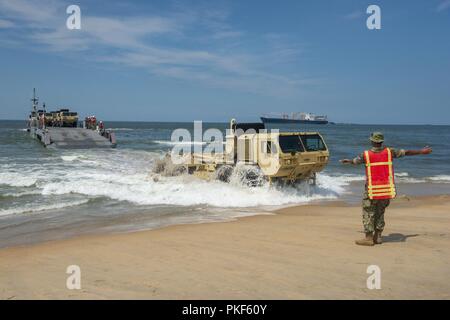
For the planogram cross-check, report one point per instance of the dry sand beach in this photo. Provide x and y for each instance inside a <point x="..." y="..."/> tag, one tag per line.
<point x="304" y="252"/>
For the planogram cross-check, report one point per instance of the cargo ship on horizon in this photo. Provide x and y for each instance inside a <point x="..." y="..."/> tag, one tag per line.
<point x="296" y="117"/>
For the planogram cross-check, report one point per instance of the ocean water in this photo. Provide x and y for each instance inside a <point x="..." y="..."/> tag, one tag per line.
<point x="51" y="194"/>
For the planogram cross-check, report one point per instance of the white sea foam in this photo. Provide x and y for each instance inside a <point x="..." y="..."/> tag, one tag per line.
<point x="70" y="158"/>
<point x="184" y="191"/>
<point x="124" y="175"/>
<point x="173" y="143"/>
<point x="405" y="177"/>
<point x="402" y="177"/>
<point x="32" y="208"/>
<point x="22" y="194"/>
<point x="16" y="179"/>
<point x="410" y="180"/>
<point x="337" y="184"/>
<point x="401" y="174"/>
<point x="440" y="178"/>
<point x="121" y="129"/>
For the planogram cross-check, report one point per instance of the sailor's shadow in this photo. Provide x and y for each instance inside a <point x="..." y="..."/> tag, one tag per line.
<point x="397" y="237"/>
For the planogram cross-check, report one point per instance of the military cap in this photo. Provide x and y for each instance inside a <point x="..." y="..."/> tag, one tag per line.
<point x="377" y="137"/>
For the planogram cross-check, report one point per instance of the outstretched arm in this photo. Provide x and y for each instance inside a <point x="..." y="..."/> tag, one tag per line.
<point x="426" y="150"/>
<point x="360" y="160"/>
<point x="346" y="161"/>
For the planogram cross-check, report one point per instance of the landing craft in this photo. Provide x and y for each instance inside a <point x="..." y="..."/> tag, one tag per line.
<point x="60" y="129"/>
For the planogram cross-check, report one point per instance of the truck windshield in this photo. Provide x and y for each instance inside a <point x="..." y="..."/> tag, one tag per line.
<point x="291" y="143"/>
<point x="313" y="142"/>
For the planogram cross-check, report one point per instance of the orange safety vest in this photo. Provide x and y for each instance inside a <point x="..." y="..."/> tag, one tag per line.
<point x="380" y="174"/>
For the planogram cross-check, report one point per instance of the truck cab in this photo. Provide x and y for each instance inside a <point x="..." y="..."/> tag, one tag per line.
<point x="67" y="118"/>
<point x="48" y="119"/>
<point x="284" y="156"/>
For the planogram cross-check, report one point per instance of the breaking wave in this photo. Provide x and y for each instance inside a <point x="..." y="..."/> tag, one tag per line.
<point x="126" y="175"/>
<point x="70" y="158"/>
<point x="20" y="194"/>
<point x="185" y="191"/>
<point x="31" y="208"/>
<point x="16" y="179"/>
<point x="121" y="129"/>
<point x="173" y="143"/>
<point x="441" y="178"/>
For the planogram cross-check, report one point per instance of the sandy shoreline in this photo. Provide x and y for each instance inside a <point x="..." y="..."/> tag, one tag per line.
<point x="304" y="252"/>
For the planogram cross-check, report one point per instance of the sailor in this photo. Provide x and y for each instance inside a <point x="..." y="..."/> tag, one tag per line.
<point x="91" y="123"/>
<point x="42" y="121"/>
<point x="101" y="127"/>
<point x="380" y="185"/>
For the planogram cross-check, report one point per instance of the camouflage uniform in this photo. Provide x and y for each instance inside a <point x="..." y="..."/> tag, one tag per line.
<point x="373" y="210"/>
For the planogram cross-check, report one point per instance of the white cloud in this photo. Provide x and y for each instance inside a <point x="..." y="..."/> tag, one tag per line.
<point x="6" y="24"/>
<point x="444" y="5"/>
<point x="162" y="45"/>
<point x="282" y="48"/>
<point x="353" y="15"/>
<point x="226" y="34"/>
<point x="30" y="10"/>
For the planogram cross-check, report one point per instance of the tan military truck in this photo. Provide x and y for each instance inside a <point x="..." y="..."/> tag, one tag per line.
<point x="286" y="157"/>
<point x="48" y="119"/>
<point x="66" y="118"/>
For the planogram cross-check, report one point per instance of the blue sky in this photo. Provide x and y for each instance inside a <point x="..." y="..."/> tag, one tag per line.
<point x="212" y="60"/>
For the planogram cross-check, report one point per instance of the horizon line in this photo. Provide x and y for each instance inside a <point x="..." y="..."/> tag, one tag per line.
<point x="226" y="122"/>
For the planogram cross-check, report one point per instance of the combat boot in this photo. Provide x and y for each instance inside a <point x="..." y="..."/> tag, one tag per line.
<point x="377" y="237"/>
<point x="367" y="241"/>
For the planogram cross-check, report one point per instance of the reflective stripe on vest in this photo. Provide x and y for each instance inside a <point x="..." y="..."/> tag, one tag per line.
<point x="380" y="174"/>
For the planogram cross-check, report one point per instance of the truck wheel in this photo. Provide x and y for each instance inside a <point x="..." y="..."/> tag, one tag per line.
<point x="251" y="176"/>
<point x="190" y="170"/>
<point x="313" y="179"/>
<point x="223" y="173"/>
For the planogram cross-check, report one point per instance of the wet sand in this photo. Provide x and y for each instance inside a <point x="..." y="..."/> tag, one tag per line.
<point x="303" y="252"/>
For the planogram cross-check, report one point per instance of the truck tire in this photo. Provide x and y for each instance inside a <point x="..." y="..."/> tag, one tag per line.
<point x="251" y="176"/>
<point x="223" y="173"/>
<point x="313" y="179"/>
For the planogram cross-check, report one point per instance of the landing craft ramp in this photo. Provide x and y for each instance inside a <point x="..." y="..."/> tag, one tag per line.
<point x="74" y="138"/>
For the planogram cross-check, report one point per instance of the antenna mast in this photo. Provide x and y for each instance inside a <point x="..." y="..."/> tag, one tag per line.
<point x="34" y="100"/>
